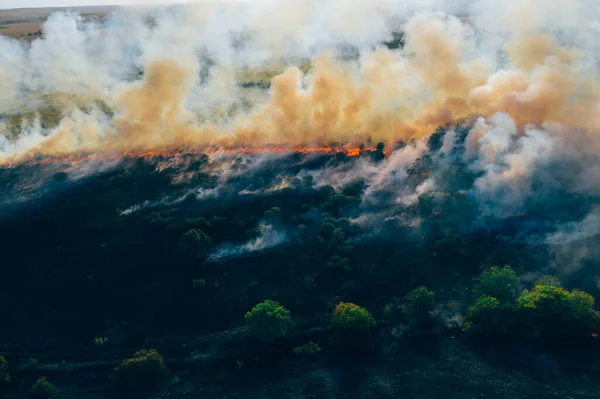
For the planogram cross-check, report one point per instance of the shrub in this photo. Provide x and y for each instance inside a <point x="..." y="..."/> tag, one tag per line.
<point x="501" y="283"/>
<point x="42" y="386"/>
<point x="307" y="349"/>
<point x="552" y="310"/>
<point x="268" y="321"/>
<point x="4" y="376"/>
<point x="143" y="371"/>
<point x="195" y="242"/>
<point x="418" y="303"/>
<point x="351" y="325"/>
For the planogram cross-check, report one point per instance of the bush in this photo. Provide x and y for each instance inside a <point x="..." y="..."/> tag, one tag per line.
<point x="351" y="325"/>
<point x="100" y="341"/>
<point x="195" y="242"/>
<point x="143" y="371"/>
<point x="418" y="304"/>
<point x="4" y="376"/>
<point x="268" y="321"/>
<point x="501" y="283"/>
<point x="308" y="349"/>
<point x="550" y="310"/>
<point x="42" y="386"/>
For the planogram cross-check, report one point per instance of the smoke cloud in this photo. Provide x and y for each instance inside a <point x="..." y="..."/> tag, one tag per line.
<point x="170" y="76"/>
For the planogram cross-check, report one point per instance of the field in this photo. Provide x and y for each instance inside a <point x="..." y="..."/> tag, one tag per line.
<point x="26" y="23"/>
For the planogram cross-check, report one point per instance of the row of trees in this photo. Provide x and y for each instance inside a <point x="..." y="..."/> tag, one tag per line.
<point x="503" y="307"/>
<point x="351" y="325"/>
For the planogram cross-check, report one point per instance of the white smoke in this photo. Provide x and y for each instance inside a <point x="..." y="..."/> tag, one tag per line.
<point x="269" y="237"/>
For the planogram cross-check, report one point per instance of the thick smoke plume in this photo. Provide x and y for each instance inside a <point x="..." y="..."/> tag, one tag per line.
<point x="170" y="76"/>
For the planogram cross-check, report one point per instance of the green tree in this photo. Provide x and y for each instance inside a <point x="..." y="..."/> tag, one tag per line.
<point x="195" y="242"/>
<point x="418" y="304"/>
<point x="268" y="321"/>
<point x="550" y="310"/>
<point x="486" y="316"/>
<point x="501" y="283"/>
<point x="144" y="371"/>
<point x="351" y="325"/>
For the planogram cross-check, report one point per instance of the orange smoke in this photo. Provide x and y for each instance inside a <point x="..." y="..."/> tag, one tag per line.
<point x="386" y="96"/>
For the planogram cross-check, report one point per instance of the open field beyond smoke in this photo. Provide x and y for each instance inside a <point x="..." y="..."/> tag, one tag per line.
<point x="25" y="24"/>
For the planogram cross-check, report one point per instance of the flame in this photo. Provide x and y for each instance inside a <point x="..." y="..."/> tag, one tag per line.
<point x="186" y="151"/>
<point x="595" y="335"/>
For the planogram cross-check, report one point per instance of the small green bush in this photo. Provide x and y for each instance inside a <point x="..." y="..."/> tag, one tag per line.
<point x="143" y="371"/>
<point x="307" y="349"/>
<point x="351" y="325"/>
<point x="42" y="386"/>
<point x="501" y="283"/>
<point x="268" y="321"/>
<point x="418" y="304"/>
<point x="100" y="341"/>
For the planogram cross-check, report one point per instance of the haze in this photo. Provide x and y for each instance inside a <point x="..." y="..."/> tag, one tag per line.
<point x="7" y="4"/>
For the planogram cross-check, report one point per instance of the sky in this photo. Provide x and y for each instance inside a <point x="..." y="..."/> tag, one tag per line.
<point x="73" y="3"/>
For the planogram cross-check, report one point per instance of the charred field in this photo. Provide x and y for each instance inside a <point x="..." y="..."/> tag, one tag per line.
<point x="95" y="250"/>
